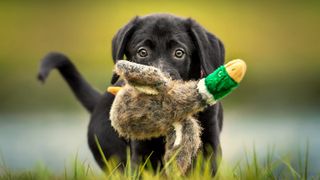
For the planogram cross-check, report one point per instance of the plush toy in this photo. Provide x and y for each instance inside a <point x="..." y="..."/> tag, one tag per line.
<point x="151" y="104"/>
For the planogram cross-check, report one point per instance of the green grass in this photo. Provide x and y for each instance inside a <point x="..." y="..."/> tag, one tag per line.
<point x="248" y="167"/>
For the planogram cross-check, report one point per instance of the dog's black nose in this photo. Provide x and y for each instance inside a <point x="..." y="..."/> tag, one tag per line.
<point x="167" y="69"/>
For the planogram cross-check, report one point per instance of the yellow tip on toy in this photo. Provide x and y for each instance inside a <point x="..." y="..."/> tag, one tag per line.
<point x="236" y="69"/>
<point x="114" y="89"/>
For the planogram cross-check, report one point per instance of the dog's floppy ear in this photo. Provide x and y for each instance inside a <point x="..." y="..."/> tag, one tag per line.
<point x="119" y="43"/>
<point x="209" y="48"/>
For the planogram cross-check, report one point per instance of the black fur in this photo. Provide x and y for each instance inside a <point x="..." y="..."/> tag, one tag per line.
<point x="160" y="35"/>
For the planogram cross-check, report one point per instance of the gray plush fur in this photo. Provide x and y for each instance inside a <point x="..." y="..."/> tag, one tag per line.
<point x="152" y="105"/>
<point x="188" y="146"/>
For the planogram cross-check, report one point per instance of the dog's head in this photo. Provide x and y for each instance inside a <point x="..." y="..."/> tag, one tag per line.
<point x="179" y="47"/>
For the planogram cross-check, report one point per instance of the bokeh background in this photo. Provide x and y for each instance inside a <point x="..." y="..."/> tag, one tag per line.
<point x="277" y="105"/>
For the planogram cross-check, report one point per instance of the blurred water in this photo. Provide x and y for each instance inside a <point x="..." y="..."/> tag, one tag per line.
<point x="55" y="139"/>
<point x="51" y="139"/>
<point x="288" y="133"/>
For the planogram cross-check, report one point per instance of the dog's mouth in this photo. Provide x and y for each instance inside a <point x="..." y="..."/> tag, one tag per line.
<point x="170" y="72"/>
<point x="173" y="74"/>
<point x="167" y="70"/>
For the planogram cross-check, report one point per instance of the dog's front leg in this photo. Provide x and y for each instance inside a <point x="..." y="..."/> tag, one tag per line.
<point x="149" y="149"/>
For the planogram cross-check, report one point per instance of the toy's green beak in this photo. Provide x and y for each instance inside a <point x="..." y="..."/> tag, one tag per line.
<point x="222" y="81"/>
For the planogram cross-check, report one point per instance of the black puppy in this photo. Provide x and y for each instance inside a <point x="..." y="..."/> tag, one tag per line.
<point x="180" y="47"/>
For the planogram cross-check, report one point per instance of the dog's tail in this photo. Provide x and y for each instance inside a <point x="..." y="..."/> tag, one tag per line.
<point x="88" y="96"/>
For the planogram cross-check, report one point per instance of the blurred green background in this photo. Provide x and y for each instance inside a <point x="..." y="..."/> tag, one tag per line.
<point x="277" y="103"/>
<point x="279" y="41"/>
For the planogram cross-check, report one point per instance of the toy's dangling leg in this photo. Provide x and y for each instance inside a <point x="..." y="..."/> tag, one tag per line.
<point x="183" y="143"/>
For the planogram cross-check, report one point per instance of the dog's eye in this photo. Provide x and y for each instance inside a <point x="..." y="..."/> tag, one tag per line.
<point x="142" y="52"/>
<point x="179" y="53"/>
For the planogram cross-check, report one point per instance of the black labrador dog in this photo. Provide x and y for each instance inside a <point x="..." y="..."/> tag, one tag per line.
<point x="178" y="46"/>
